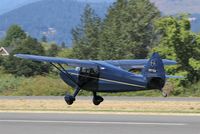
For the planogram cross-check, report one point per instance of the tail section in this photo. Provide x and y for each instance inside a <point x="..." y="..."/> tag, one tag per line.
<point x="154" y="72"/>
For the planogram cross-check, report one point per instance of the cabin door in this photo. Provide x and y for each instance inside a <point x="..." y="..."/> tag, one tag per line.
<point x="89" y="78"/>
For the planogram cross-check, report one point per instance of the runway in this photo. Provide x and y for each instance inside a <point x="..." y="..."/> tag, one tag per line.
<point x="118" y="98"/>
<point x="29" y="123"/>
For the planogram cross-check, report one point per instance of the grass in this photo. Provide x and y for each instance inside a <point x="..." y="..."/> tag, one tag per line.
<point x="107" y="106"/>
<point x="52" y="85"/>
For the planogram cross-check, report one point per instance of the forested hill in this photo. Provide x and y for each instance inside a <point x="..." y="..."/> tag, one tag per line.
<point x="54" y="18"/>
<point x="178" y="6"/>
<point x="9" y="5"/>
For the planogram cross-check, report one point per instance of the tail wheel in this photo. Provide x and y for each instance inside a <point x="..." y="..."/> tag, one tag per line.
<point x="164" y="94"/>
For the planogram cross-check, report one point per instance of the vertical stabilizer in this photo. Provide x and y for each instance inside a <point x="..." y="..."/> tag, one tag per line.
<point x="154" y="72"/>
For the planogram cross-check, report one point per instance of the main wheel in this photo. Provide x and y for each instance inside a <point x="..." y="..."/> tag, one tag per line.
<point x="70" y="102"/>
<point x="97" y="100"/>
<point x="69" y="99"/>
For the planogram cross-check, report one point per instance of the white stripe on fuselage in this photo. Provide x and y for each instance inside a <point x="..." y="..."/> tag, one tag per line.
<point x="119" y="82"/>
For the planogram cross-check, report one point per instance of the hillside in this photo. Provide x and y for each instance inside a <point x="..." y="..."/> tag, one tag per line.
<point x="178" y="6"/>
<point x="54" y="18"/>
<point x="166" y="6"/>
<point x="13" y="4"/>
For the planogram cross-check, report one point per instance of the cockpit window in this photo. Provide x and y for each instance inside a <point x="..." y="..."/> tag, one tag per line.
<point x="89" y="70"/>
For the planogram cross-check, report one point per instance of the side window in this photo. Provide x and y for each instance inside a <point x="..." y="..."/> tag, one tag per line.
<point x="83" y="70"/>
<point x="91" y="71"/>
<point x="96" y="70"/>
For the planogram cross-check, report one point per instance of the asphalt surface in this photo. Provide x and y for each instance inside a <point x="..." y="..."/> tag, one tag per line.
<point x="119" y="98"/>
<point x="28" y="123"/>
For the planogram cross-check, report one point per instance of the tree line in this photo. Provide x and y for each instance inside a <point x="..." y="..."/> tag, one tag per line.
<point x="19" y="42"/>
<point x="135" y="29"/>
<point x="131" y="29"/>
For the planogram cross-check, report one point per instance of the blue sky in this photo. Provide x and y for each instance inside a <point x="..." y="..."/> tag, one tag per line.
<point x="166" y="6"/>
<point x="8" y="5"/>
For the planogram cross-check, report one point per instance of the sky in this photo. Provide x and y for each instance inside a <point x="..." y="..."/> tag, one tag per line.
<point x="166" y="6"/>
<point x="8" y="5"/>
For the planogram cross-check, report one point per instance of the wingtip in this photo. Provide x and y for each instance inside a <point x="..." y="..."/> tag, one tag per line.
<point x="17" y="55"/>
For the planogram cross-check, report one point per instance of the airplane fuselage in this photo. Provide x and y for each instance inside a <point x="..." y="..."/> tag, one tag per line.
<point x="108" y="76"/>
<point x="105" y="79"/>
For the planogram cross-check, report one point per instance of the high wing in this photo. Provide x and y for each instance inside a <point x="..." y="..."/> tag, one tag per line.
<point x="135" y="64"/>
<point x="123" y="64"/>
<point x="70" y="62"/>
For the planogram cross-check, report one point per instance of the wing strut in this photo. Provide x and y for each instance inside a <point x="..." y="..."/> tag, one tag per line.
<point x="65" y="72"/>
<point x="68" y="98"/>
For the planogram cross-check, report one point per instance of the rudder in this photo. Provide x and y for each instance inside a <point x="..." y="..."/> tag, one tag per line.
<point x="154" y="72"/>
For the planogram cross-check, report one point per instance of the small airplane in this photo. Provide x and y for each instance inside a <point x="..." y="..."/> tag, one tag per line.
<point x="109" y="75"/>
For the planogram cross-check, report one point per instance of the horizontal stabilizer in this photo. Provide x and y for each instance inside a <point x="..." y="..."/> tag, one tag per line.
<point x="154" y="72"/>
<point x="174" y="77"/>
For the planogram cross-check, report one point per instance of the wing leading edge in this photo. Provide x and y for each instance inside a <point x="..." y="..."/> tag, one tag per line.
<point x="123" y="64"/>
<point x="70" y="62"/>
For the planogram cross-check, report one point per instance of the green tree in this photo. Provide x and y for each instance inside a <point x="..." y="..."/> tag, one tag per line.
<point x="65" y="53"/>
<point x="179" y="43"/>
<point x="53" y="50"/>
<point x="63" y="45"/>
<point x="14" y="35"/>
<point x="86" y="36"/>
<point x="27" y="68"/>
<point x="128" y="30"/>
<point x="44" y="38"/>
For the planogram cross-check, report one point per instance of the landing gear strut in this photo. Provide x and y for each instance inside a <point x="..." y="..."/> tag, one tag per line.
<point x="69" y="99"/>
<point x="97" y="99"/>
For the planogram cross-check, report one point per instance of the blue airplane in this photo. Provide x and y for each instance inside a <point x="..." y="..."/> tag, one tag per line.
<point x="110" y="75"/>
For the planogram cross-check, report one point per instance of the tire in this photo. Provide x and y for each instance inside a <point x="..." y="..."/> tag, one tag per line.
<point x="69" y="99"/>
<point x="97" y="100"/>
<point x="69" y="102"/>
